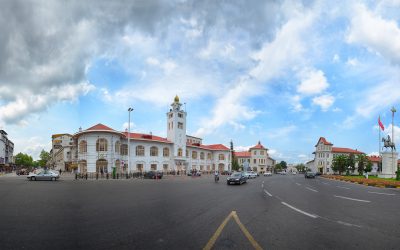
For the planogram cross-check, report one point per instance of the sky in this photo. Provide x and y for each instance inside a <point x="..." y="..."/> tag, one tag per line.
<point x="280" y="72"/>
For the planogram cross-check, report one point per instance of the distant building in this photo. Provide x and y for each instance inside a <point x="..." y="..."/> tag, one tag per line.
<point x="6" y="150"/>
<point x="257" y="158"/>
<point x="102" y="149"/>
<point x="324" y="154"/>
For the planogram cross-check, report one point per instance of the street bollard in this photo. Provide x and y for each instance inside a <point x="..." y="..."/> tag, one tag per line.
<point x="76" y="176"/>
<point x="107" y="176"/>
<point x="86" y="176"/>
<point x="97" y="176"/>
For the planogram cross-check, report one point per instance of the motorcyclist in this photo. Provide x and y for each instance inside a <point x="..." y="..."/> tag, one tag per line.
<point x="216" y="175"/>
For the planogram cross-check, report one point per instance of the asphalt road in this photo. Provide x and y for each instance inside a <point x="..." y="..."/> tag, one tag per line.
<point x="278" y="212"/>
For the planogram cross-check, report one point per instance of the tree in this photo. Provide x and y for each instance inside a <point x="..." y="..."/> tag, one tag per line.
<point x="283" y="164"/>
<point x="44" y="157"/>
<point x="339" y="163"/>
<point x="351" y="162"/>
<point x="362" y="162"/>
<point x="300" y="167"/>
<point x="368" y="167"/>
<point x="23" y="160"/>
<point x="234" y="160"/>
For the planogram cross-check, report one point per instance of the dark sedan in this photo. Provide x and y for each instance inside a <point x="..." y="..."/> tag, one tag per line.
<point x="236" y="178"/>
<point x="309" y="175"/>
<point x="153" y="175"/>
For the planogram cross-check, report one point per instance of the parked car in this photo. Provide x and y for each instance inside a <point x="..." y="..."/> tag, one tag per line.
<point x="247" y="175"/>
<point x="267" y="174"/>
<point x="153" y="175"/>
<point x="282" y="172"/>
<point x="309" y="175"/>
<point x="236" y="178"/>
<point x="253" y="174"/>
<point x="294" y="173"/>
<point x="43" y="175"/>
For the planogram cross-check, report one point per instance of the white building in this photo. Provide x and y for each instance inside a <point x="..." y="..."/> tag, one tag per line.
<point x="324" y="154"/>
<point x="103" y="149"/>
<point x="62" y="151"/>
<point x="6" y="149"/>
<point x="257" y="158"/>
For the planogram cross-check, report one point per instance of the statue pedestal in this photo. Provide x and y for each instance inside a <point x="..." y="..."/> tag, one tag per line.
<point x="389" y="165"/>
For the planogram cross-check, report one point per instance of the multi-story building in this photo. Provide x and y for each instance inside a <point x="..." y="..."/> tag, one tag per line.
<point x="6" y="149"/>
<point x="257" y="159"/>
<point x="324" y="154"/>
<point x="103" y="149"/>
<point x="62" y="151"/>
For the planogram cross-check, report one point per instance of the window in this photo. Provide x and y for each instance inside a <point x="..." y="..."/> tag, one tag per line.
<point x="171" y="115"/>
<point x="139" y="167"/>
<point x="255" y="161"/>
<point x="262" y="152"/>
<point x="255" y="152"/>
<point x="166" y="152"/>
<point x="139" y="150"/>
<point x="221" y="157"/>
<point x="83" y="147"/>
<point x="208" y="167"/>
<point x="124" y="149"/>
<point x="208" y="156"/>
<point x="117" y="147"/>
<point x="187" y="153"/>
<point x="153" y="151"/>
<point x="201" y="167"/>
<point x="180" y="152"/>
<point x="101" y="144"/>
<point x="202" y="156"/>
<point x="153" y="166"/>
<point x="165" y="167"/>
<point x="180" y="125"/>
<point x="180" y="115"/>
<point x="194" y="154"/>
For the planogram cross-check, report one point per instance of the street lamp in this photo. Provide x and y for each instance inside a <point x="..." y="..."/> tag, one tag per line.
<point x="129" y="137"/>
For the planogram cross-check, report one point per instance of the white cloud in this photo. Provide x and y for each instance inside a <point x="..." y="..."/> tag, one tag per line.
<point x="125" y="126"/>
<point x="241" y="148"/>
<point x="312" y="82"/>
<point x="282" y="132"/>
<point x="336" y="58"/>
<point x="352" y="62"/>
<point x="31" y="146"/>
<point x="324" y="101"/>
<point x="375" y="33"/>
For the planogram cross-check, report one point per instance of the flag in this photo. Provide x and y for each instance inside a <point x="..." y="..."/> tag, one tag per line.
<point x="380" y="124"/>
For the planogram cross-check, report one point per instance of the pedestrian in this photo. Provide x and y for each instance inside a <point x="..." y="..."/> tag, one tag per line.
<point x="60" y="171"/>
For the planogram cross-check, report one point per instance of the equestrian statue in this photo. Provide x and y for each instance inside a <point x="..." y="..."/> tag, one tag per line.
<point x="387" y="143"/>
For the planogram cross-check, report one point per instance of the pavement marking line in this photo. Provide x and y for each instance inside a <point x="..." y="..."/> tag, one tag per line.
<point x="348" y="198"/>
<point x="265" y="191"/>
<point x="342" y="187"/>
<point x="300" y="211"/>
<point x="325" y="183"/>
<point x="246" y="233"/>
<point x="217" y="233"/>
<point x="348" y="224"/>
<point x="298" y="184"/>
<point x="262" y="185"/>
<point x="312" y="189"/>
<point x="380" y="193"/>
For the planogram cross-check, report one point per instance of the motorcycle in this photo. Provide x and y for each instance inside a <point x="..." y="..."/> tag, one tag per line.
<point x="216" y="178"/>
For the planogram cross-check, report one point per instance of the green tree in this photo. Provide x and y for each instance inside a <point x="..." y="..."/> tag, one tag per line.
<point x="300" y="167"/>
<point x="351" y="162"/>
<point x="339" y="163"/>
<point x="278" y="167"/>
<point x="283" y="164"/>
<point x="362" y="162"/>
<point x="23" y="160"/>
<point x="234" y="161"/>
<point x="368" y="167"/>
<point x="44" y="157"/>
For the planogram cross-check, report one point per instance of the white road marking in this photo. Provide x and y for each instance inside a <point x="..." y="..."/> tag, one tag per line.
<point x="325" y="183"/>
<point x="348" y="224"/>
<point x="348" y="198"/>
<point x="262" y="185"/>
<point x="380" y="193"/>
<point x="342" y="187"/>
<point x="298" y="184"/>
<point x="265" y="191"/>
<point x="312" y="189"/>
<point x="300" y="211"/>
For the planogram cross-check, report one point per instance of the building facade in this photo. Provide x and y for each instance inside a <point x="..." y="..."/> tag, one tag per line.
<point x="256" y="158"/>
<point x="324" y="154"/>
<point x="6" y="150"/>
<point x="102" y="149"/>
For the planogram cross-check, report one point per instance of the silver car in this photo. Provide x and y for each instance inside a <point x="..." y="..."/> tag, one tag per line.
<point x="43" y="175"/>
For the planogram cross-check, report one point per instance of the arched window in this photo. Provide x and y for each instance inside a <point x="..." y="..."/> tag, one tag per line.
<point x="208" y="156"/>
<point x="153" y="151"/>
<point x="139" y="150"/>
<point x="166" y="152"/>
<point x="180" y="152"/>
<point x="221" y="157"/>
<point x="117" y="147"/>
<point x="187" y="153"/>
<point x="124" y="149"/>
<point x="82" y="147"/>
<point x="101" y="144"/>
<point x="202" y="156"/>
<point x="194" y="154"/>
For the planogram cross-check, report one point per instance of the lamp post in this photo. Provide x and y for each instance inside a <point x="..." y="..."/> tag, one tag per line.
<point x="129" y="137"/>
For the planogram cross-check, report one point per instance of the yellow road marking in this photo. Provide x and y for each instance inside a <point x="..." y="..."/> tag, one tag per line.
<point x="217" y="233"/>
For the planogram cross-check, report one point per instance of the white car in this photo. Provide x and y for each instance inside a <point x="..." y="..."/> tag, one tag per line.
<point x="294" y="173"/>
<point x="42" y="174"/>
<point x="267" y="174"/>
<point x="248" y="175"/>
<point x="253" y="174"/>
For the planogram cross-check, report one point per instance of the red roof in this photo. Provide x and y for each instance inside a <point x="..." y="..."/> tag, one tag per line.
<point x="345" y="150"/>
<point x="243" y="154"/>
<point x="258" y="146"/>
<point x="146" y="137"/>
<point x="324" y="141"/>
<point x="374" y="158"/>
<point x="208" y="147"/>
<point x="100" y="127"/>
